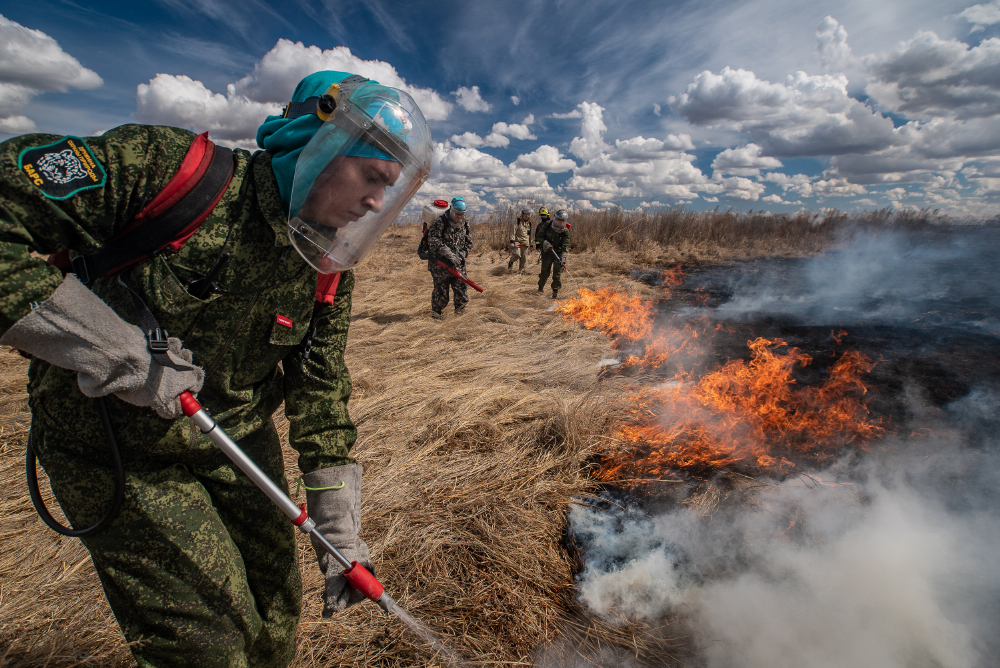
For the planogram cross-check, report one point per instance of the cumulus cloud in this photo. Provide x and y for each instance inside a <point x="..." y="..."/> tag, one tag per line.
<point x="467" y="139"/>
<point x="982" y="15"/>
<point x="744" y="161"/>
<point x="656" y="109"/>
<point x="233" y="118"/>
<point x="32" y="63"/>
<point x="515" y="99"/>
<point x="545" y="158"/>
<point x="590" y="143"/>
<point x="274" y="78"/>
<point x="641" y="148"/>
<point x="805" y="116"/>
<point x="928" y="76"/>
<point x="499" y="135"/>
<point x="469" y="168"/>
<point x="831" y="44"/>
<point x="183" y="102"/>
<point x="17" y="125"/>
<point x="470" y="100"/>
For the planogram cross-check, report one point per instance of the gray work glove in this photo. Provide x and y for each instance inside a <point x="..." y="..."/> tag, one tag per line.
<point x="546" y="245"/>
<point x="336" y="510"/>
<point x="562" y="258"/>
<point x="74" y="329"/>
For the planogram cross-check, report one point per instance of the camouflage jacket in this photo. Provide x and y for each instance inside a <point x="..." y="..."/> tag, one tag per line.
<point x="449" y="240"/>
<point x="559" y="240"/>
<point x="260" y="317"/>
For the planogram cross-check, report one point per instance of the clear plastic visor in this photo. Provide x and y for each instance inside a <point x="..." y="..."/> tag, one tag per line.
<point x="351" y="181"/>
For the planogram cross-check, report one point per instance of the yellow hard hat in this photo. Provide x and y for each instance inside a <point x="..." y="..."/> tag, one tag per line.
<point x="543" y="211"/>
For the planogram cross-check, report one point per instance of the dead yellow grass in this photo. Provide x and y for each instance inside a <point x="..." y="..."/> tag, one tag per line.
<point x="475" y="433"/>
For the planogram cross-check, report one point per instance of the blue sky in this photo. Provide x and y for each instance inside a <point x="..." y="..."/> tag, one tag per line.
<point x="764" y="104"/>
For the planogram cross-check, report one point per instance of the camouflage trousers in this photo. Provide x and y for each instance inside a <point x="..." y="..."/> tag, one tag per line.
<point x="442" y="281"/>
<point x="200" y="568"/>
<point x="520" y="253"/>
<point x="550" y="263"/>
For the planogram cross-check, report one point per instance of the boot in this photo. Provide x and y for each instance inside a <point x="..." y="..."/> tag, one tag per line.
<point x="541" y="288"/>
<point x="460" y="310"/>
<point x="555" y="294"/>
<point x="437" y="315"/>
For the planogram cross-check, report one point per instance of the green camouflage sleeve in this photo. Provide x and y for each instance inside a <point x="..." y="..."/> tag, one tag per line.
<point x="318" y="387"/>
<point x="562" y="243"/>
<point x="59" y="193"/>
<point x="435" y="239"/>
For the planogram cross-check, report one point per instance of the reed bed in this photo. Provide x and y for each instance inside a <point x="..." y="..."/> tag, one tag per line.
<point x="682" y="235"/>
<point x="475" y="434"/>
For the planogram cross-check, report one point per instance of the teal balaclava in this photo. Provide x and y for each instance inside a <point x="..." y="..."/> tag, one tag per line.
<point x="285" y="138"/>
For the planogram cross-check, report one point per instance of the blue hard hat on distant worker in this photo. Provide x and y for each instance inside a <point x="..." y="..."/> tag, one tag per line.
<point x="458" y="204"/>
<point x="335" y="213"/>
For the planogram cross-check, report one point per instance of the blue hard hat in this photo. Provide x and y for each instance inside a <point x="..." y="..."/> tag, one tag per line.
<point x="458" y="204"/>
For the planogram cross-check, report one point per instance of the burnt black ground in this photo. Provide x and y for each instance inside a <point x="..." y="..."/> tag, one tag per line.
<point x="925" y="307"/>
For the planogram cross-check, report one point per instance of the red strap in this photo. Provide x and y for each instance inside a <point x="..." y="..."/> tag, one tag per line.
<point x="326" y="288"/>
<point x="194" y="165"/>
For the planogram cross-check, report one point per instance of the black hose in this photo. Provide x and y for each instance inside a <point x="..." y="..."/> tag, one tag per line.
<point x="31" y="473"/>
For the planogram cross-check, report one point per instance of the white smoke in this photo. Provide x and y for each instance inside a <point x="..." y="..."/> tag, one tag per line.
<point x="887" y="278"/>
<point x="897" y="569"/>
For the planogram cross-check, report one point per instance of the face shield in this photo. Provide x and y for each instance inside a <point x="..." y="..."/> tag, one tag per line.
<point x="356" y="174"/>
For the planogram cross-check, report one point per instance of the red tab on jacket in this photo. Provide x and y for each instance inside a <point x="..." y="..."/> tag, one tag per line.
<point x="326" y="288"/>
<point x="284" y="320"/>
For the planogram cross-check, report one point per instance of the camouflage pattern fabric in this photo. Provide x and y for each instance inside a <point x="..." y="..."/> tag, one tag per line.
<point x="442" y="281"/>
<point x="560" y="243"/>
<point x="450" y="241"/>
<point x="196" y="543"/>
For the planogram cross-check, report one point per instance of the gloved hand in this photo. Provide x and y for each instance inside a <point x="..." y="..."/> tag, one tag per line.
<point x="333" y="498"/>
<point x="74" y="329"/>
<point x="546" y="245"/>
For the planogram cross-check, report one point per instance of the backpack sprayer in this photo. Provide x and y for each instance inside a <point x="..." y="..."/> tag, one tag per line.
<point x="357" y="575"/>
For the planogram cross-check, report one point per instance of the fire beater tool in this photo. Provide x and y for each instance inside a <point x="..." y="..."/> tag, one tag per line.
<point x="457" y="274"/>
<point x="357" y="575"/>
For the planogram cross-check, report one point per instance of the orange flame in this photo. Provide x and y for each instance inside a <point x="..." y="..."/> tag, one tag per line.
<point x="746" y="414"/>
<point x="751" y="415"/>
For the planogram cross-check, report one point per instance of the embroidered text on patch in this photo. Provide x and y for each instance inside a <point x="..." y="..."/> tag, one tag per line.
<point x="62" y="169"/>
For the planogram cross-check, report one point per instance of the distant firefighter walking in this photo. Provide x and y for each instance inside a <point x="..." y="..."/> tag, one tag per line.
<point x="552" y="240"/>
<point x="450" y="241"/>
<point x="520" y="239"/>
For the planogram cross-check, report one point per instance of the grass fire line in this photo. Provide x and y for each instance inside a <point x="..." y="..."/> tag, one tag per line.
<point x="470" y="460"/>
<point x="749" y="415"/>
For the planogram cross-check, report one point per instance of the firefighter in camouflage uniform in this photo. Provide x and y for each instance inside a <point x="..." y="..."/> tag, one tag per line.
<point x="552" y="241"/>
<point x="450" y="241"/>
<point x="199" y="567"/>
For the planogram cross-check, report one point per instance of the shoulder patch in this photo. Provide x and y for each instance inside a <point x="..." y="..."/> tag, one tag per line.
<point x="62" y="169"/>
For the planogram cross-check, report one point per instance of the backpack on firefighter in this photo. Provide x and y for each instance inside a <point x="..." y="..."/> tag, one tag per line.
<point x="430" y="214"/>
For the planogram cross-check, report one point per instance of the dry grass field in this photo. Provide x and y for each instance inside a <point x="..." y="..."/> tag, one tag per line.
<point x="475" y="433"/>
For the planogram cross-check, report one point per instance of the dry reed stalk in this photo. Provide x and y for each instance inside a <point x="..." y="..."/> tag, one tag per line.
<point x="671" y="235"/>
<point x="475" y="433"/>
